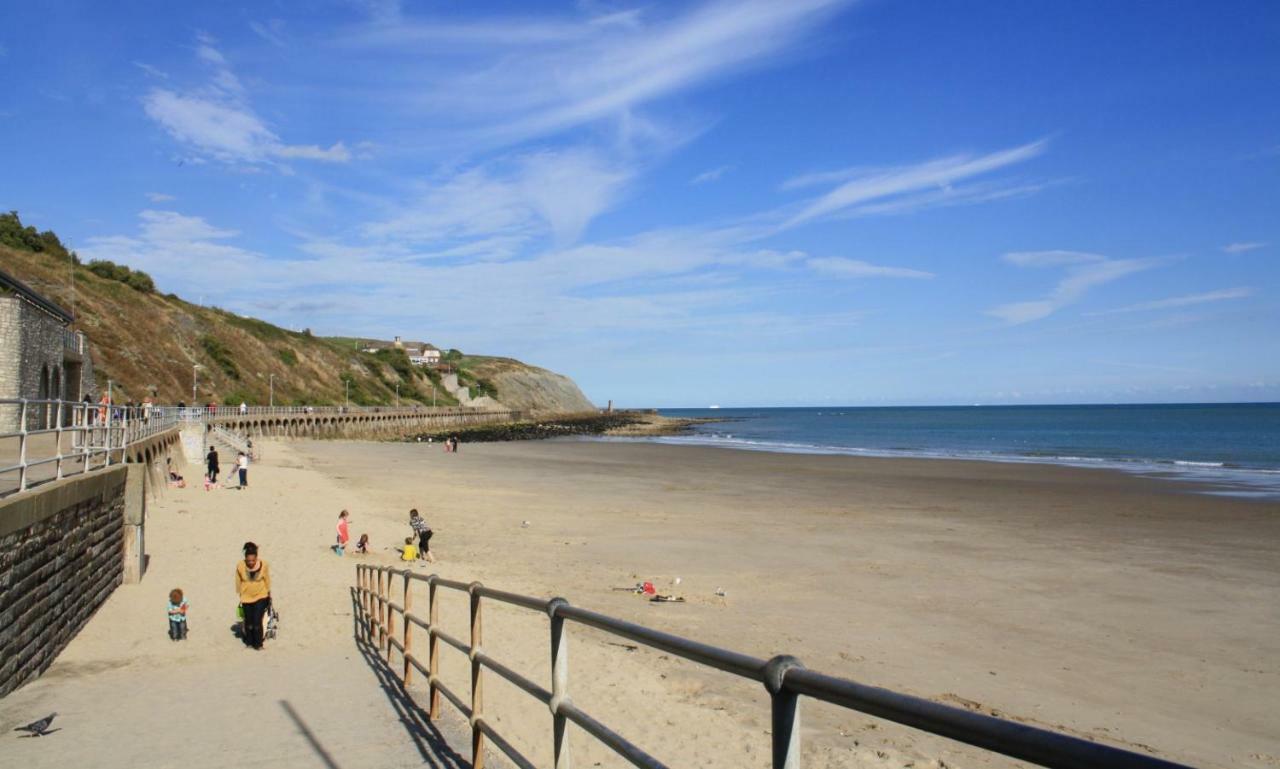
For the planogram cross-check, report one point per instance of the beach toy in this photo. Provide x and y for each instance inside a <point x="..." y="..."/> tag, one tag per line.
<point x="648" y="589"/>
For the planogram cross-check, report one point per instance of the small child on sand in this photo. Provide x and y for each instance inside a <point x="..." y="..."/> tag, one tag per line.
<point x="344" y="521"/>
<point x="177" y="615"/>
<point x="362" y="547"/>
<point x="408" y="552"/>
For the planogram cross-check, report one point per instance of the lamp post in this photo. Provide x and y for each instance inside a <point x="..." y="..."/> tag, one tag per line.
<point x="271" y="383"/>
<point x="397" y="394"/>
<point x="195" y="379"/>
<point x="348" y="381"/>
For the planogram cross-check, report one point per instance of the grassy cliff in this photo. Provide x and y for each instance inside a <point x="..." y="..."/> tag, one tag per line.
<point x="145" y="342"/>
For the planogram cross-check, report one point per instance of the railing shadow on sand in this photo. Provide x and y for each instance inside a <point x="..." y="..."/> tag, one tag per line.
<point x="427" y="738"/>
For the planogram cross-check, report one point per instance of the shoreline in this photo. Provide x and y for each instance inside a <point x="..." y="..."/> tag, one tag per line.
<point x="1216" y="479"/>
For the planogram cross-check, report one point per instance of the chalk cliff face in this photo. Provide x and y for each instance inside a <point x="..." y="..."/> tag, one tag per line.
<point x="146" y="342"/>
<point x="529" y="388"/>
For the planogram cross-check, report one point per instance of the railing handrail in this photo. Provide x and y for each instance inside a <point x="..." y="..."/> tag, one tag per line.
<point x="784" y="677"/>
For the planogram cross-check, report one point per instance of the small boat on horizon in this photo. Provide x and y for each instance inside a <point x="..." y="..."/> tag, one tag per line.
<point x="713" y="406"/>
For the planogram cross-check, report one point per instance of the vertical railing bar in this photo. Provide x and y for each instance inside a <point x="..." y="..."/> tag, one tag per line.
<point x="433" y="623"/>
<point x="58" y="437"/>
<point x="477" y="679"/>
<point x="559" y="685"/>
<point x="391" y="617"/>
<point x="785" y="712"/>
<point x="22" y="447"/>
<point x="381" y="611"/>
<point x="408" y="629"/>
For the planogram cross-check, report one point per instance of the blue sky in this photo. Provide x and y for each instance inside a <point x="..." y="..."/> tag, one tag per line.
<point x="744" y="203"/>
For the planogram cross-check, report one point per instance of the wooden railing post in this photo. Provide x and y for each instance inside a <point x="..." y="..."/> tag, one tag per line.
<point x="477" y="679"/>
<point x="559" y="685"/>
<point x="408" y="629"/>
<point x="382" y="608"/>
<point x="366" y="603"/>
<point x="433" y="647"/>
<point x="391" y="617"/>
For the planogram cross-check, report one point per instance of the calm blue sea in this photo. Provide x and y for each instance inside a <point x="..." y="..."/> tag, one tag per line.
<point x="1234" y="448"/>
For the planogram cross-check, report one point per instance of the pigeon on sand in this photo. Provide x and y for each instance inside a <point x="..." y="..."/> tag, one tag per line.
<point x="38" y="728"/>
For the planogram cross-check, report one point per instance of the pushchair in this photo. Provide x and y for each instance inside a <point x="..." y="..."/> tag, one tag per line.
<point x="272" y="626"/>
<point x="270" y="622"/>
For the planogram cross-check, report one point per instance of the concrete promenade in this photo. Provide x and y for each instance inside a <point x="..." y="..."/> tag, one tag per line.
<point x="127" y="696"/>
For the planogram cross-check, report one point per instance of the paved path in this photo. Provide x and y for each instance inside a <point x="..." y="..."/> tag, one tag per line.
<point x="128" y="697"/>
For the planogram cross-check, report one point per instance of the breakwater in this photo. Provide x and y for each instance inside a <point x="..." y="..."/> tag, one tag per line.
<point x="616" y="423"/>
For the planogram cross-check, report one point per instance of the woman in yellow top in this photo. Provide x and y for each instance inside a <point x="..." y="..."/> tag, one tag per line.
<point x="253" y="583"/>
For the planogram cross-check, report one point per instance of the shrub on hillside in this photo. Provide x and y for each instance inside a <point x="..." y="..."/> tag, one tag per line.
<point x="220" y="355"/>
<point x="288" y="356"/>
<point x="135" y="279"/>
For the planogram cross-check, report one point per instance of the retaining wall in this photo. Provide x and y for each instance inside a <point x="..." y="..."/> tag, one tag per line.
<point x="61" y="555"/>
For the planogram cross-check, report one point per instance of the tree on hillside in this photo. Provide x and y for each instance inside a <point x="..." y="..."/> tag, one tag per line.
<point x="14" y="235"/>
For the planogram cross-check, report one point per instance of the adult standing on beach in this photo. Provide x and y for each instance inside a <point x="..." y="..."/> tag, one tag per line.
<point x="211" y="465"/>
<point x="423" y="530"/>
<point x="242" y="466"/>
<point x="253" y="584"/>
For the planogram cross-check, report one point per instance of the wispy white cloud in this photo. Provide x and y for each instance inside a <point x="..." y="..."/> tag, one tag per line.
<point x="855" y="268"/>
<point x="555" y="192"/>
<point x="531" y="77"/>
<point x="1084" y="272"/>
<point x="272" y="31"/>
<point x="159" y="197"/>
<point x="152" y="71"/>
<point x="885" y="187"/>
<point x="1051" y="258"/>
<point x="1221" y="295"/>
<point x="1240" y="248"/>
<point x="217" y="120"/>
<point x="712" y="175"/>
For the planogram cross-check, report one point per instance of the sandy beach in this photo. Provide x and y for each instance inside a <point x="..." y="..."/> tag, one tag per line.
<point x="1123" y="609"/>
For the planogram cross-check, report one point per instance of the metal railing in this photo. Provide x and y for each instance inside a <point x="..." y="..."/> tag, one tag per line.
<point x="47" y="440"/>
<point x="73" y="341"/>
<point x="785" y="679"/>
<point x="233" y="441"/>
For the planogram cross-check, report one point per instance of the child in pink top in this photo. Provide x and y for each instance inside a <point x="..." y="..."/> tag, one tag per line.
<point x="344" y="519"/>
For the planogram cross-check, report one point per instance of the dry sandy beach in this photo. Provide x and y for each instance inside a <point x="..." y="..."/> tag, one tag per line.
<point x="1123" y="609"/>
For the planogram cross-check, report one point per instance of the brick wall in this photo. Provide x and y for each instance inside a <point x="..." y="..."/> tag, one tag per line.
<point x="61" y="555"/>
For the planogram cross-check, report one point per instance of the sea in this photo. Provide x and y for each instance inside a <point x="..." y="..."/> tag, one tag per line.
<point x="1228" y="449"/>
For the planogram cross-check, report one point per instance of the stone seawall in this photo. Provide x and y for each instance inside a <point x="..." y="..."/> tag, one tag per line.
<point x="61" y="555"/>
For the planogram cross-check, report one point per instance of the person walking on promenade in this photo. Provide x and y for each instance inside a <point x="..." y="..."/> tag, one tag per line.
<point x="242" y="466"/>
<point x="211" y="464"/>
<point x="344" y="532"/>
<point x="244" y="408"/>
<point x="423" y="530"/>
<point x="253" y="584"/>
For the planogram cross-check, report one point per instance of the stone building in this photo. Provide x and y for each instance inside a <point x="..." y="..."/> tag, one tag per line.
<point x="40" y="356"/>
